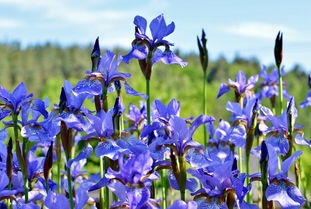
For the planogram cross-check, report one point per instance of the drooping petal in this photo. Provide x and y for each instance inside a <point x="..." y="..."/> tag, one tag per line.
<point x="179" y="204"/>
<point x="130" y="91"/>
<point x="56" y="201"/>
<point x="288" y="196"/>
<point x="109" y="149"/>
<point x="85" y="153"/>
<point x="89" y="86"/>
<point x="168" y="57"/>
<point x="139" y="51"/>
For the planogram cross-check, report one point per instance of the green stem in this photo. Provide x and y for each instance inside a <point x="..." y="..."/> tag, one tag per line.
<point x="107" y="197"/>
<point x="47" y="185"/>
<point x="240" y="159"/>
<point x="240" y="100"/>
<point x="102" y="191"/>
<point x="21" y="159"/>
<point x="280" y="109"/>
<point x="59" y="160"/>
<point x="204" y="106"/>
<point x="148" y="101"/>
<point x="164" y="189"/>
<point x="182" y="177"/>
<point x="70" y="187"/>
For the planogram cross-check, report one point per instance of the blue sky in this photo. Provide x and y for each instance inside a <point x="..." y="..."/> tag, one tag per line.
<point x="233" y="26"/>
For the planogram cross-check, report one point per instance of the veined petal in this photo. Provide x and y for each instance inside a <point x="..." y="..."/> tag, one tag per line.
<point x="56" y="201"/>
<point x="283" y="194"/>
<point x="168" y="57"/>
<point x="89" y="86"/>
<point x="158" y="27"/>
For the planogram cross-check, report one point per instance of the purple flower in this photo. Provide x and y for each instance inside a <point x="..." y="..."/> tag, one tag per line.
<point x="270" y="85"/>
<point x="137" y="116"/>
<point x="15" y="101"/>
<point x="147" y="49"/>
<point x="240" y="86"/>
<point x="277" y="134"/>
<point x="281" y="189"/>
<point x="224" y="138"/>
<point x="104" y="77"/>
<point x="132" y="182"/>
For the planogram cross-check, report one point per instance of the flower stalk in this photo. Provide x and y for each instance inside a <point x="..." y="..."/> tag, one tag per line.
<point x="22" y="158"/>
<point x="278" y="55"/>
<point x="204" y="63"/>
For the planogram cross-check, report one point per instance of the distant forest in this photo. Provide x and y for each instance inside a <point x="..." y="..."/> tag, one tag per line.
<point x="44" y="68"/>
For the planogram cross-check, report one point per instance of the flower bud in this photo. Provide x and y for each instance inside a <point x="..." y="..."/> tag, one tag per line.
<point x="9" y="159"/>
<point x="62" y="101"/>
<point x="203" y="51"/>
<point x="48" y="162"/>
<point x="309" y="80"/>
<point x="278" y="49"/>
<point x="95" y="55"/>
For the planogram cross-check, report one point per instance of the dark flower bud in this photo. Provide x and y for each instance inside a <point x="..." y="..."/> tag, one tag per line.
<point x="62" y="101"/>
<point x="309" y="80"/>
<point x="9" y="159"/>
<point x="96" y="49"/>
<point x="256" y="107"/>
<point x="95" y="55"/>
<point x="118" y="108"/>
<point x="203" y="51"/>
<point x="48" y="162"/>
<point x="264" y="157"/>
<point x="67" y="139"/>
<point x="278" y="49"/>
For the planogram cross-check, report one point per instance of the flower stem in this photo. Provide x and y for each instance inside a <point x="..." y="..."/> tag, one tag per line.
<point x="148" y="101"/>
<point x="102" y="191"/>
<point x="58" y="159"/>
<point x="204" y="106"/>
<point x="107" y="197"/>
<point x="70" y="187"/>
<point x="164" y="189"/>
<point x="22" y="158"/>
<point x="182" y="177"/>
<point x="240" y="100"/>
<point x="280" y="109"/>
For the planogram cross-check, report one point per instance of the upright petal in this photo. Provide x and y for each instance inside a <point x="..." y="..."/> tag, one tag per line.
<point x="140" y="23"/>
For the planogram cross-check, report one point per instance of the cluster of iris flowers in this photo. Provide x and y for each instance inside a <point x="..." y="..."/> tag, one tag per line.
<point x="145" y="155"/>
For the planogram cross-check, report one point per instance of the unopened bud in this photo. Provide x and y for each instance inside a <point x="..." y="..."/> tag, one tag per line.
<point x="278" y="49"/>
<point x="203" y="51"/>
<point x="62" y="100"/>
<point x="48" y="162"/>
<point x="309" y="80"/>
<point x="9" y="159"/>
<point x="95" y="55"/>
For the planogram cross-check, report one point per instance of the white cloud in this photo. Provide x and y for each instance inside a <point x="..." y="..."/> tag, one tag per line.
<point x="9" y="23"/>
<point x="266" y="31"/>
